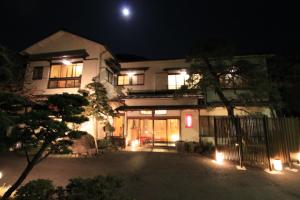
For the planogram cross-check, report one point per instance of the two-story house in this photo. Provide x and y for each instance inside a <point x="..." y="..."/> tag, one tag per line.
<point x="149" y="114"/>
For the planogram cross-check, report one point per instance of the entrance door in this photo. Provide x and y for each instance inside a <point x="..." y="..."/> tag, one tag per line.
<point x="157" y="132"/>
<point x="160" y="132"/>
<point x="173" y="127"/>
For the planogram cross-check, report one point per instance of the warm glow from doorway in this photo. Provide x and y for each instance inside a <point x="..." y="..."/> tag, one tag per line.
<point x="175" y="138"/>
<point x="135" y="143"/>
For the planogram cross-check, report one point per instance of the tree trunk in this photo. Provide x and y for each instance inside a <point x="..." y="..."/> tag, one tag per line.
<point x="217" y="87"/>
<point x="229" y="107"/>
<point x="20" y="180"/>
<point x="25" y="172"/>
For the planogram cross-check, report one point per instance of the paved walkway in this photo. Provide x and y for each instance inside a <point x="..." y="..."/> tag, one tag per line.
<point x="149" y="175"/>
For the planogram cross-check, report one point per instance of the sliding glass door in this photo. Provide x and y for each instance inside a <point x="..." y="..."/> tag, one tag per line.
<point x="157" y="132"/>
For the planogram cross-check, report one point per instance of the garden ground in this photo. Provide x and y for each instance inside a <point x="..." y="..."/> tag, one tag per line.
<point x="149" y="175"/>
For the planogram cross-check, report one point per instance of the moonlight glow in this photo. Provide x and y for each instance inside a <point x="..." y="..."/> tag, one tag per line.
<point x="126" y="12"/>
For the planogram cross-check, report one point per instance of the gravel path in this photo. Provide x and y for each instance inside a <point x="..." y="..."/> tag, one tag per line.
<point x="164" y="176"/>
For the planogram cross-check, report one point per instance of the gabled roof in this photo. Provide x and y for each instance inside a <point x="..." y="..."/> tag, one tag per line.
<point x="81" y="53"/>
<point x="66" y="32"/>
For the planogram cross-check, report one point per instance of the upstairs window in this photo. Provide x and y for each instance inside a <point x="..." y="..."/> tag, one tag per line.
<point x="232" y="81"/>
<point x="37" y="73"/>
<point x="65" y="76"/>
<point x="175" y="81"/>
<point x="131" y="79"/>
<point x="110" y="76"/>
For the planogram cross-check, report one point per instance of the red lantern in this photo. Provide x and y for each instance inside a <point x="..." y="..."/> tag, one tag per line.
<point x="188" y="121"/>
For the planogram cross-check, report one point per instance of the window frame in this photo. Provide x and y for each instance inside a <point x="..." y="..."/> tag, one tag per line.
<point x="184" y="83"/>
<point x="130" y="79"/>
<point x="109" y="76"/>
<point x="75" y="78"/>
<point x="41" y="74"/>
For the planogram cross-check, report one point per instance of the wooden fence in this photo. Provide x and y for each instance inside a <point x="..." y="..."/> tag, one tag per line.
<point x="254" y="140"/>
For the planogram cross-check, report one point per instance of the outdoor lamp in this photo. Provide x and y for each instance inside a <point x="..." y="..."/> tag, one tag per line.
<point x="66" y="62"/>
<point x="1" y="175"/>
<point x="219" y="157"/>
<point x="277" y="164"/>
<point x="130" y="74"/>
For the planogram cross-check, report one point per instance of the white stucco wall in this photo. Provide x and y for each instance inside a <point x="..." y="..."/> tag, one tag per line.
<point x="64" y="41"/>
<point x="155" y="77"/>
<point x="221" y="111"/>
<point x="190" y="134"/>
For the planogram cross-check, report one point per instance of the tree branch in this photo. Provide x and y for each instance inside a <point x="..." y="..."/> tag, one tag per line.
<point x="27" y="156"/>
<point x="44" y="157"/>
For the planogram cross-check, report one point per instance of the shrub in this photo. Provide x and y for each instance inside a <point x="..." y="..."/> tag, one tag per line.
<point x="97" y="188"/>
<point x="104" y="144"/>
<point x="36" y="190"/>
<point x="207" y="148"/>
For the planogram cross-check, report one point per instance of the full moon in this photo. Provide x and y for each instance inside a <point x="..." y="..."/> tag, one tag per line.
<point x="126" y="12"/>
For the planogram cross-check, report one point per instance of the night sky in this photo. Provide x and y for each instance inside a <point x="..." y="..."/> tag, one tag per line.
<point x="156" y="28"/>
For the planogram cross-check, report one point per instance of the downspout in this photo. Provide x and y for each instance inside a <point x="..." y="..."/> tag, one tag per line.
<point x="100" y="63"/>
<point x="96" y="126"/>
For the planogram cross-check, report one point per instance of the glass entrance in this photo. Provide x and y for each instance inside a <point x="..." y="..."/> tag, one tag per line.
<point x="160" y="133"/>
<point x="157" y="132"/>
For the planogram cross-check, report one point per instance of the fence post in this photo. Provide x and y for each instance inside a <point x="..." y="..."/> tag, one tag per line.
<point x="286" y="142"/>
<point x="240" y="139"/>
<point x="267" y="142"/>
<point x="215" y="134"/>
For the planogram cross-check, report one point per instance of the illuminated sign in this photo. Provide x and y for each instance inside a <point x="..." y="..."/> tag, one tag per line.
<point x="188" y="121"/>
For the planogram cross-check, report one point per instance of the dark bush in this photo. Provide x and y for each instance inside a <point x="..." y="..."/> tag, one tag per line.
<point x="97" y="188"/>
<point x="40" y="189"/>
<point x="180" y="146"/>
<point x="207" y="148"/>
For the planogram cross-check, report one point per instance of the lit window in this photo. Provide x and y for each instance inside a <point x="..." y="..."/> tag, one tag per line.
<point x="146" y="112"/>
<point x="133" y="79"/>
<point x="175" y="81"/>
<point x="160" y="112"/>
<point x="188" y="121"/>
<point x="65" y="76"/>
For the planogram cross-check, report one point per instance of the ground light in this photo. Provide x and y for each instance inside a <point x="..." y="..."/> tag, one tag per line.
<point x="134" y="144"/>
<point x="175" y="138"/>
<point x="277" y="164"/>
<point x="219" y="157"/>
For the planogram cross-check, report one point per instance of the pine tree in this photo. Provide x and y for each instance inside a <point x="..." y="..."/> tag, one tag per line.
<point x="47" y="130"/>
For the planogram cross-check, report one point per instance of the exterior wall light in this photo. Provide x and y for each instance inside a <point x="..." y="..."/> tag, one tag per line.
<point x="183" y="73"/>
<point x="130" y="74"/>
<point x="277" y="164"/>
<point x="188" y="121"/>
<point x="1" y="175"/>
<point x="66" y="62"/>
<point x="219" y="157"/>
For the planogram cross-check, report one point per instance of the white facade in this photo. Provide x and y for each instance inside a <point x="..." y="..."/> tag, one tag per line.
<point x="148" y="107"/>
